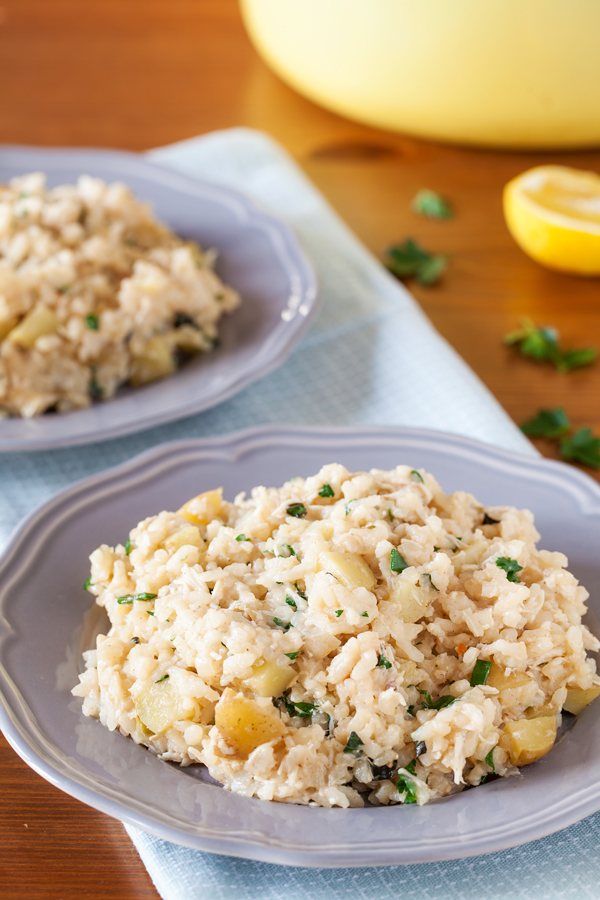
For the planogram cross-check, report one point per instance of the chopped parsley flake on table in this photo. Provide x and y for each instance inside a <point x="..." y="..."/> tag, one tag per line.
<point x="582" y="447"/>
<point x="431" y="205"/>
<point x="547" y="423"/>
<point x="553" y="424"/>
<point x="543" y="345"/>
<point x="409" y="259"/>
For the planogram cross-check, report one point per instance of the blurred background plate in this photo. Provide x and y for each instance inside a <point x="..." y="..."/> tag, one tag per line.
<point x="46" y="620"/>
<point x="258" y="255"/>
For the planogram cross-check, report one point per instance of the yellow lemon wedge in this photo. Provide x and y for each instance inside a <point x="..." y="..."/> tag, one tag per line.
<point x="553" y="213"/>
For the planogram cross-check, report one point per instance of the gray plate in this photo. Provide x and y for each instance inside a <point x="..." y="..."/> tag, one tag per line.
<point x="258" y="255"/>
<point x="42" y="608"/>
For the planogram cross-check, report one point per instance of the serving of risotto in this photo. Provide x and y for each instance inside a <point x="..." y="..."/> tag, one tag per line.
<point x="95" y="293"/>
<point x="348" y="637"/>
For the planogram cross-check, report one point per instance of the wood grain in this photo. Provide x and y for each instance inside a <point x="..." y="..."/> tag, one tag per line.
<point x="55" y="847"/>
<point x="149" y="72"/>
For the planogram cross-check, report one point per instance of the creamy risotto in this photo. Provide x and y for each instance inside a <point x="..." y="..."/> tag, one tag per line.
<point x="347" y="637"/>
<point x="95" y="293"/>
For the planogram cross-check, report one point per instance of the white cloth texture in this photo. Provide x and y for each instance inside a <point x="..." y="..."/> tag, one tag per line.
<point x="371" y="357"/>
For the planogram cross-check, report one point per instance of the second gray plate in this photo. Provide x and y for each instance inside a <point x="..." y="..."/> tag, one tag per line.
<point x="258" y="255"/>
<point x="46" y="620"/>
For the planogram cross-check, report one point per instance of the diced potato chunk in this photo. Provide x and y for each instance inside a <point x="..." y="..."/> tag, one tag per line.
<point x="142" y="731"/>
<point x="409" y="599"/>
<point x="529" y="739"/>
<point x="535" y="713"/>
<point x="39" y="321"/>
<point x="187" y="535"/>
<point x="408" y="670"/>
<point x="469" y="555"/>
<point x="268" y="679"/>
<point x="7" y="325"/>
<point x="502" y="680"/>
<point x="160" y="705"/>
<point x="578" y="699"/>
<point x="204" y="508"/>
<point x="190" y="339"/>
<point x="244" y="724"/>
<point x="156" y="361"/>
<point x="350" y="569"/>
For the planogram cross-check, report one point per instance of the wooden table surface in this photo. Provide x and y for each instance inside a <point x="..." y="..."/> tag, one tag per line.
<point x="143" y="73"/>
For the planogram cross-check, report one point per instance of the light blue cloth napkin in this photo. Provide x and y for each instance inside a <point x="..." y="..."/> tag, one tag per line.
<point x="371" y="357"/>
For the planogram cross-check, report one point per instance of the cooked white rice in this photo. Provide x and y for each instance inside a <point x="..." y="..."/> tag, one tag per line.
<point x="298" y="642"/>
<point x="95" y="293"/>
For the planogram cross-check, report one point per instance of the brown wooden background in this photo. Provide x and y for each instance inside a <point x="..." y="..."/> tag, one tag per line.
<point x="141" y="73"/>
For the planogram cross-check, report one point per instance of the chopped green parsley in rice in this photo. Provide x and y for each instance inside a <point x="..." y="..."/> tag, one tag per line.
<point x="95" y="293"/>
<point x="347" y="637"/>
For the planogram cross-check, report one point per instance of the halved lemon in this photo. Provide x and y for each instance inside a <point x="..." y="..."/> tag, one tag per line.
<point x="553" y="213"/>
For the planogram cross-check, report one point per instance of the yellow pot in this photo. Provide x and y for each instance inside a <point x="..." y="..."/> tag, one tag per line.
<point x="510" y="73"/>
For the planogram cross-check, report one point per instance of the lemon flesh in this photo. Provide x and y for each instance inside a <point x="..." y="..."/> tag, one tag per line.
<point x="553" y="213"/>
